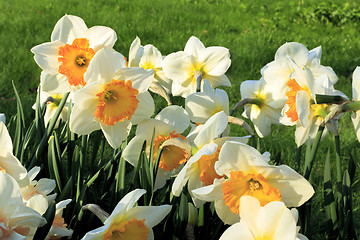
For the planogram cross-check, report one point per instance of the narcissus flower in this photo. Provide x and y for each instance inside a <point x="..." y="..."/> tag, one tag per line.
<point x="248" y="173"/>
<point x="168" y="126"/>
<point x="270" y="222"/>
<point x="8" y="162"/>
<point x="16" y="220"/>
<point x="114" y="99"/>
<point x="202" y="105"/>
<point x="263" y="110"/>
<point x="184" y="67"/>
<point x="277" y="73"/>
<point x="59" y="228"/>
<point x="355" y="117"/>
<point x="199" y="170"/>
<point x="127" y="222"/>
<point x="66" y="58"/>
<point x="149" y="57"/>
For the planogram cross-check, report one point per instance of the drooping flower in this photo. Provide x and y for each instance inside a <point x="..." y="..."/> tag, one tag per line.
<point x="199" y="170"/>
<point x="36" y="194"/>
<point x="8" y="162"/>
<point x="149" y="57"/>
<point x="184" y="67"/>
<point x="271" y="221"/>
<point x="263" y="110"/>
<point x="67" y="57"/>
<point x="17" y="221"/>
<point x="248" y="173"/>
<point x="114" y="99"/>
<point x="129" y="222"/>
<point x="277" y="73"/>
<point x="59" y="228"/>
<point x="202" y="105"/>
<point x="169" y="124"/>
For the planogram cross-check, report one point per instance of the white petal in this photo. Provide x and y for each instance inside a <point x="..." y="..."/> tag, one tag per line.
<point x="153" y="215"/>
<point x="57" y="83"/>
<point x="13" y="167"/>
<point x="101" y="37"/>
<point x="176" y="117"/>
<point x="211" y="129"/>
<point x="5" y="139"/>
<point x="200" y="107"/>
<point x="9" y="191"/>
<point x="224" y="213"/>
<point x="46" y="56"/>
<point x="135" y="52"/>
<point x="145" y="128"/>
<point x="145" y="108"/>
<point x="217" y="81"/>
<point x="103" y="66"/>
<point x="178" y="67"/>
<point x="141" y="79"/>
<point x="356" y="84"/>
<point x="194" y="47"/>
<point x="132" y="151"/>
<point x="296" y="51"/>
<point x="46" y="185"/>
<point x="97" y="233"/>
<point x="303" y="107"/>
<point x="355" y="118"/>
<point x="68" y="28"/>
<point x="116" y="133"/>
<point x="215" y="60"/>
<point x="237" y="231"/>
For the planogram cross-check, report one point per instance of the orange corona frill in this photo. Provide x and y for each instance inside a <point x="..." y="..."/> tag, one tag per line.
<point x="291" y="102"/>
<point x="130" y="230"/>
<point x="240" y="184"/>
<point x="172" y="156"/>
<point x="206" y="165"/>
<point x="117" y="102"/>
<point x="75" y="59"/>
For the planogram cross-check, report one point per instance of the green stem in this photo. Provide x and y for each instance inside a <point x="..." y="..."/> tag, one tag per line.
<point x="309" y="162"/>
<point x="298" y="157"/>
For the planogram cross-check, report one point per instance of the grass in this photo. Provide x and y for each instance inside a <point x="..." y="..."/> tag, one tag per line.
<point x="252" y="30"/>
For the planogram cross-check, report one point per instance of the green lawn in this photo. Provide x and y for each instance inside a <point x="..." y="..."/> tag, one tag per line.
<point x="252" y="30"/>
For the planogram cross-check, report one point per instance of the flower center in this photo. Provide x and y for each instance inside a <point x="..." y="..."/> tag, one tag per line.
<point x="319" y="110"/>
<point x="207" y="170"/>
<point x="294" y="87"/>
<point x="75" y="59"/>
<point x="29" y="191"/>
<point x="147" y="65"/>
<point x="240" y="184"/>
<point x="172" y="156"/>
<point x="2" y="170"/>
<point x="117" y="102"/>
<point x="130" y="230"/>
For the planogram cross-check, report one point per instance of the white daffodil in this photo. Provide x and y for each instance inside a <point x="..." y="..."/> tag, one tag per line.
<point x="168" y="125"/>
<point x="58" y="228"/>
<point x="184" y="67"/>
<point x="17" y="221"/>
<point x="270" y="222"/>
<point x="355" y="117"/>
<point x="202" y="105"/>
<point x="114" y="99"/>
<point x="8" y="162"/>
<point x="52" y="102"/>
<point x="199" y="170"/>
<point x="277" y="73"/>
<point x="129" y="222"/>
<point x="248" y="173"/>
<point x="66" y="58"/>
<point x="36" y="194"/>
<point x="149" y="57"/>
<point x="263" y="110"/>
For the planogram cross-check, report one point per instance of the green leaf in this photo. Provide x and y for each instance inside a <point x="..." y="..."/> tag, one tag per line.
<point x="49" y="215"/>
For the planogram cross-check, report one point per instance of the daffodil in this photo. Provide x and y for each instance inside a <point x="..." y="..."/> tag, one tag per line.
<point x="17" y="221"/>
<point x="277" y="73"/>
<point x="59" y="228"/>
<point x="2" y="118"/>
<point x="202" y="105"/>
<point x="247" y="172"/>
<point x="185" y="67"/>
<point x="8" y="162"/>
<point x="129" y="222"/>
<point x="36" y="194"/>
<point x="169" y="124"/>
<point x="149" y="57"/>
<point x="199" y="170"/>
<point x="270" y="222"/>
<point x="114" y="99"/>
<point x="263" y="110"/>
<point x="67" y="57"/>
